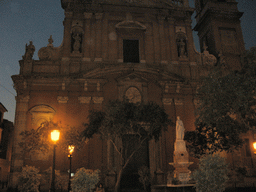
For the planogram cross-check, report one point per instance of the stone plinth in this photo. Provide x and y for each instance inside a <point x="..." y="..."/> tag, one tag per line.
<point x="181" y="161"/>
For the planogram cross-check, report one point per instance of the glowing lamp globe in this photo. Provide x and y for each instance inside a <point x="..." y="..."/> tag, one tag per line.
<point x="254" y="147"/>
<point x="71" y="149"/>
<point x="55" y="134"/>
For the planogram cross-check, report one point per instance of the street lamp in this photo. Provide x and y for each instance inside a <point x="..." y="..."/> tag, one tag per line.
<point x="55" y="134"/>
<point x="70" y="150"/>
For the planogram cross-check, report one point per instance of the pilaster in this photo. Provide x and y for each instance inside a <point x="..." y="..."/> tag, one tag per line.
<point x="20" y="125"/>
<point x="87" y="37"/>
<point x="190" y="46"/>
<point x="156" y="41"/>
<point x="105" y="37"/>
<point x="173" y="46"/>
<point x="162" y="39"/>
<point x="98" y="54"/>
<point x="67" y="36"/>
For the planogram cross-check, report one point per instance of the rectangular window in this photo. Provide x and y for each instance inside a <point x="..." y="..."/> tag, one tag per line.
<point x="131" y="51"/>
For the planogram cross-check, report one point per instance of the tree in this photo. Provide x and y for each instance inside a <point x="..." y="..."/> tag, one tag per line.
<point x="122" y="118"/>
<point x="144" y="178"/>
<point x="29" y="180"/>
<point x="38" y="140"/>
<point x="212" y="174"/>
<point x="227" y="108"/>
<point x="85" y="180"/>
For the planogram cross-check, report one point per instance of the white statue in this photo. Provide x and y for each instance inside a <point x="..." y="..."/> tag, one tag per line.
<point x="179" y="129"/>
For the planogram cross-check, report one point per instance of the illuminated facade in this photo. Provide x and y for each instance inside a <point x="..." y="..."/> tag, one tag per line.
<point x="141" y="49"/>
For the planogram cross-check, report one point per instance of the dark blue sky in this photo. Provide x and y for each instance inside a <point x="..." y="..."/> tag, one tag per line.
<point x="22" y="21"/>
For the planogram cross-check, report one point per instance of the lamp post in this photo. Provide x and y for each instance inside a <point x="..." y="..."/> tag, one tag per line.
<point x="55" y="134"/>
<point x="70" y="150"/>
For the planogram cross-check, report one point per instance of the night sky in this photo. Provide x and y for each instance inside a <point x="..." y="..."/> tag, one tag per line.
<point x="22" y="21"/>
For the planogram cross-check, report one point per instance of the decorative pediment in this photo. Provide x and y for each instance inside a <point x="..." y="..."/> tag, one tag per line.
<point x="132" y="77"/>
<point x="130" y="25"/>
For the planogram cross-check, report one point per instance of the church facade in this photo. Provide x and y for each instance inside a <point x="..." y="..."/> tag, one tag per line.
<point x="112" y="49"/>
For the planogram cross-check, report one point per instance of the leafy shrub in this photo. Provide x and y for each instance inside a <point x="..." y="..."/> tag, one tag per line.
<point x="29" y="180"/>
<point x="212" y="174"/>
<point x="84" y="180"/>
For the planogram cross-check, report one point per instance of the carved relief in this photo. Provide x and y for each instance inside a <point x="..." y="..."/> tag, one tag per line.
<point x="97" y="100"/>
<point x="196" y="102"/>
<point x="49" y="52"/>
<point x="179" y="101"/>
<point x="207" y="58"/>
<point x="24" y="99"/>
<point x="130" y="23"/>
<point x="167" y="101"/>
<point x="62" y="99"/>
<point x="132" y="86"/>
<point x="84" y="99"/>
<point x="133" y="95"/>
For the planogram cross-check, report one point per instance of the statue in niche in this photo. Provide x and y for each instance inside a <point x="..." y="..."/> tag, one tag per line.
<point x="30" y="49"/>
<point x="181" y="46"/>
<point x="77" y="43"/>
<point x="179" y="129"/>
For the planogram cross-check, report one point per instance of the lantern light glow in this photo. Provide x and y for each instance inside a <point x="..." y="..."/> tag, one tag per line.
<point x="71" y="149"/>
<point x="55" y="134"/>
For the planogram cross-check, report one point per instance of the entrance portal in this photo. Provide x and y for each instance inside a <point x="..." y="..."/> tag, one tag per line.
<point x="130" y="178"/>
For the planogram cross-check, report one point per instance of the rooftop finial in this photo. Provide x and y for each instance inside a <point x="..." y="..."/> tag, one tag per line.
<point x="205" y="47"/>
<point x="50" y="40"/>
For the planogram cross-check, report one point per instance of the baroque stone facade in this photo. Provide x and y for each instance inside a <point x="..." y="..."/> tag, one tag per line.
<point x="141" y="49"/>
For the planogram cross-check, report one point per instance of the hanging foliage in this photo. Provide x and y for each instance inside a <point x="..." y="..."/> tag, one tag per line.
<point x="38" y="140"/>
<point x="121" y="118"/>
<point x="227" y="108"/>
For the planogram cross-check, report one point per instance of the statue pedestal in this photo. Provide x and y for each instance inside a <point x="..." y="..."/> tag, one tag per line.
<point x="181" y="161"/>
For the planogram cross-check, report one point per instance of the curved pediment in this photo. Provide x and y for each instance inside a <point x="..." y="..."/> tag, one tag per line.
<point x="124" y="73"/>
<point x="130" y="25"/>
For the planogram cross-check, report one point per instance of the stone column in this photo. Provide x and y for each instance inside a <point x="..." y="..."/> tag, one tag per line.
<point x="20" y="125"/>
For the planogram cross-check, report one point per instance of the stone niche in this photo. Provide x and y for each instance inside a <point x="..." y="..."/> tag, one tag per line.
<point x="41" y="113"/>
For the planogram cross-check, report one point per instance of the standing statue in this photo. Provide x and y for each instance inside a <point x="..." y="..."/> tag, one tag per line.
<point x="181" y="43"/>
<point x="30" y="49"/>
<point x="179" y="129"/>
<point x="77" y="42"/>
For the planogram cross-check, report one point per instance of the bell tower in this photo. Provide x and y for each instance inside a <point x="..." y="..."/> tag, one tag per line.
<point x="219" y="29"/>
